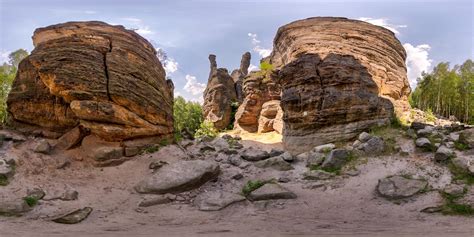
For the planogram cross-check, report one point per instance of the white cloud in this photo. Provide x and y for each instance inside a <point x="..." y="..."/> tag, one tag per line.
<point x="192" y="86"/>
<point x="169" y="64"/>
<point x="138" y="26"/>
<point x="263" y="52"/>
<point x="253" y="68"/>
<point x="383" y="22"/>
<point x="418" y="61"/>
<point x="4" y="56"/>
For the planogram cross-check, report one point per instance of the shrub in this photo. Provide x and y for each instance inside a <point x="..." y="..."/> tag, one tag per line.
<point x="251" y="186"/>
<point x="31" y="201"/>
<point x="187" y="116"/>
<point x="430" y="116"/>
<point x="206" y="129"/>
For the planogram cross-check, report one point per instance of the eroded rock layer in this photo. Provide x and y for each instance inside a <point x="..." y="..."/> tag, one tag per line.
<point x="338" y="77"/>
<point x="102" y="77"/>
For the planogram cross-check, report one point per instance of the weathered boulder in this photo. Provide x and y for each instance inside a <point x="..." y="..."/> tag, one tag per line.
<point x="179" y="177"/>
<point x="219" y="96"/>
<point x="74" y="217"/>
<point x="217" y="200"/>
<point x="258" y="89"/>
<point x="103" y="77"/>
<point x="467" y="137"/>
<point x="271" y="191"/>
<point x="15" y="207"/>
<point x="338" y="77"/>
<point x="277" y="163"/>
<point x="398" y="187"/>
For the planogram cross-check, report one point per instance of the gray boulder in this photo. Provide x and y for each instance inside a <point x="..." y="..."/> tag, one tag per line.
<point x="324" y="148"/>
<point x="179" y="177"/>
<point x="454" y="189"/>
<point x="374" y="146"/>
<point x="16" y="207"/>
<point x="43" y="147"/>
<point x="443" y="153"/>
<point x="252" y="154"/>
<point x="277" y="163"/>
<point x="315" y="159"/>
<point x="271" y="191"/>
<point x="398" y="187"/>
<point x="423" y="143"/>
<point x="155" y="200"/>
<point x="336" y="159"/>
<point x="467" y="137"/>
<point x="214" y="201"/>
<point x="74" y="217"/>
<point x="275" y="152"/>
<point x="317" y="175"/>
<point x="364" y="137"/>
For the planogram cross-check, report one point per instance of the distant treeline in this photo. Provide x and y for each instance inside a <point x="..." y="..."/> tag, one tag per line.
<point x="447" y="91"/>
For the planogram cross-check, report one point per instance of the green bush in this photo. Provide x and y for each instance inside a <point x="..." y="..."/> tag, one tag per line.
<point x="187" y="116"/>
<point x="206" y="129"/>
<point x="430" y="116"/>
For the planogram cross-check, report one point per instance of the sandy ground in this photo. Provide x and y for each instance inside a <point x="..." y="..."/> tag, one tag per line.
<point x="348" y="206"/>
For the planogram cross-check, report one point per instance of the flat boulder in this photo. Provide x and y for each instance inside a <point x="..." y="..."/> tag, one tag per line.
<point x="399" y="187"/>
<point x="217" y="200"/>
<point x="179" y="177"/>
<point x="74" y="217"/>
<point x="16" y="207"/>
<point x="271" y="191"/>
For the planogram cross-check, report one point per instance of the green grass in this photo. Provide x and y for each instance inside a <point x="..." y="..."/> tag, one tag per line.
<point x="3" y="180"/>
<point x="460" y="146"/>
<point x="31" y="201"/>
<point x="450" y="207"/>
<point x="460" y="174"/>
<point x="252" y="185"/>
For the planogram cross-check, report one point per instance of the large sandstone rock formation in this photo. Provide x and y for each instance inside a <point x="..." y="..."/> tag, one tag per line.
<point x="260" y="105"/>
<point x="222" y="91"/>
<point x="103" y="78"/>
<point x="338" y="78"/>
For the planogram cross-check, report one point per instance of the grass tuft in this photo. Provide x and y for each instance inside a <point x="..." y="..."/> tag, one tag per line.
<point x="251" y="186"/>
<point x="31" y="201"/>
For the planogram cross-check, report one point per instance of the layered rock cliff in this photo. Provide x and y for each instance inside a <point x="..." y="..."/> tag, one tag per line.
<point x="104" y="78"/>
<point x="338" y="77"/>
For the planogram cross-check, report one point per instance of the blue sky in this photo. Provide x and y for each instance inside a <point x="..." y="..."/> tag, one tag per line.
<point x="431" y="31"/>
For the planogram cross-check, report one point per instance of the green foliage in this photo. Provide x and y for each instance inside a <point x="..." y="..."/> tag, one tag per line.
<point x="430" y="116"/>
<point x="31" y="201"/>
<point x="3" y="180"/>
<point x="251" y="186"/>
<point x="234" y="106"/>
<point x="447" y="91"/>
<point x="266" y="66"/>
<point x="461" y="146"/>
<point x="450" y="206"/>
<point x="187" y="116"/>
<point x="206" y="129"/>
<point x="461" y="174"/>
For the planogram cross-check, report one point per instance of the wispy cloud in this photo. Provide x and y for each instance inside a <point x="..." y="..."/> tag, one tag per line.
<point x="383" y="23"/>
<point x="4" y="56"/>
<point x="193" y="86"/>
<point x="253" y="68"/>
<point x="263" y="52"/>
<point x="418" y="61"/>
<point x="138" y="26"/>
<point x="169" y="64"/>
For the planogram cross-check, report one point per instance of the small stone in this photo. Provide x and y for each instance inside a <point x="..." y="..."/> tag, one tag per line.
<point x="432" y="209"/>
<point x="157" y="164"/>
<point x="275" y="152"/>
<point x="69" y="195"/>
<point x="398" y="187"/>
<point x="287" y="157"/>
<point x="235" y="160"/>
<point x="153" y="201"/>
<point x="227" y="137"/>
<point x="271" y="191"/>
<point x="315" y="159"/>
<point x="74" y="217"/>
<point x="356" y="144"/>
<point x="214" y="201"/>
<point x="36" y="193"/>
<point x="423" y="143"/>
<point x="230" y="151"/>
<point x="364" y="137"/>
<point x="454" y="189"/>
<point x="237" y="176"/>
<point x="454" y="137"/>
<point x="6" y="170"/>
<point x="352" y="172"/>
<point x="43" y="147"/>
<point x="443" y="153"/>
<point x="336" y="159"/>
<point x="324" y="148"/>
<point x="283" y="180"/>
<point x="252" y="154"/>
<point x="317" y="175"/>
<point x="418" y="125"/>
<point x="314" y="185"/>
<point x="374" y="146"/>
<point x="15" y="207"/>
<point x="276" y="163"/>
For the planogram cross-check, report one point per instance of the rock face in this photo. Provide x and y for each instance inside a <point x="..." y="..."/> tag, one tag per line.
<point x="238" y="75"/>
<point x="338" y="78"/>
<point x="104" y="78"/>
<point x="219" y="95"/>
<point x="259" y="109"/>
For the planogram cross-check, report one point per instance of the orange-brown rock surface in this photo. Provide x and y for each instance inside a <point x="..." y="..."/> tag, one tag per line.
<point x="105" y="78"/>
<point x="338" y="77"/>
